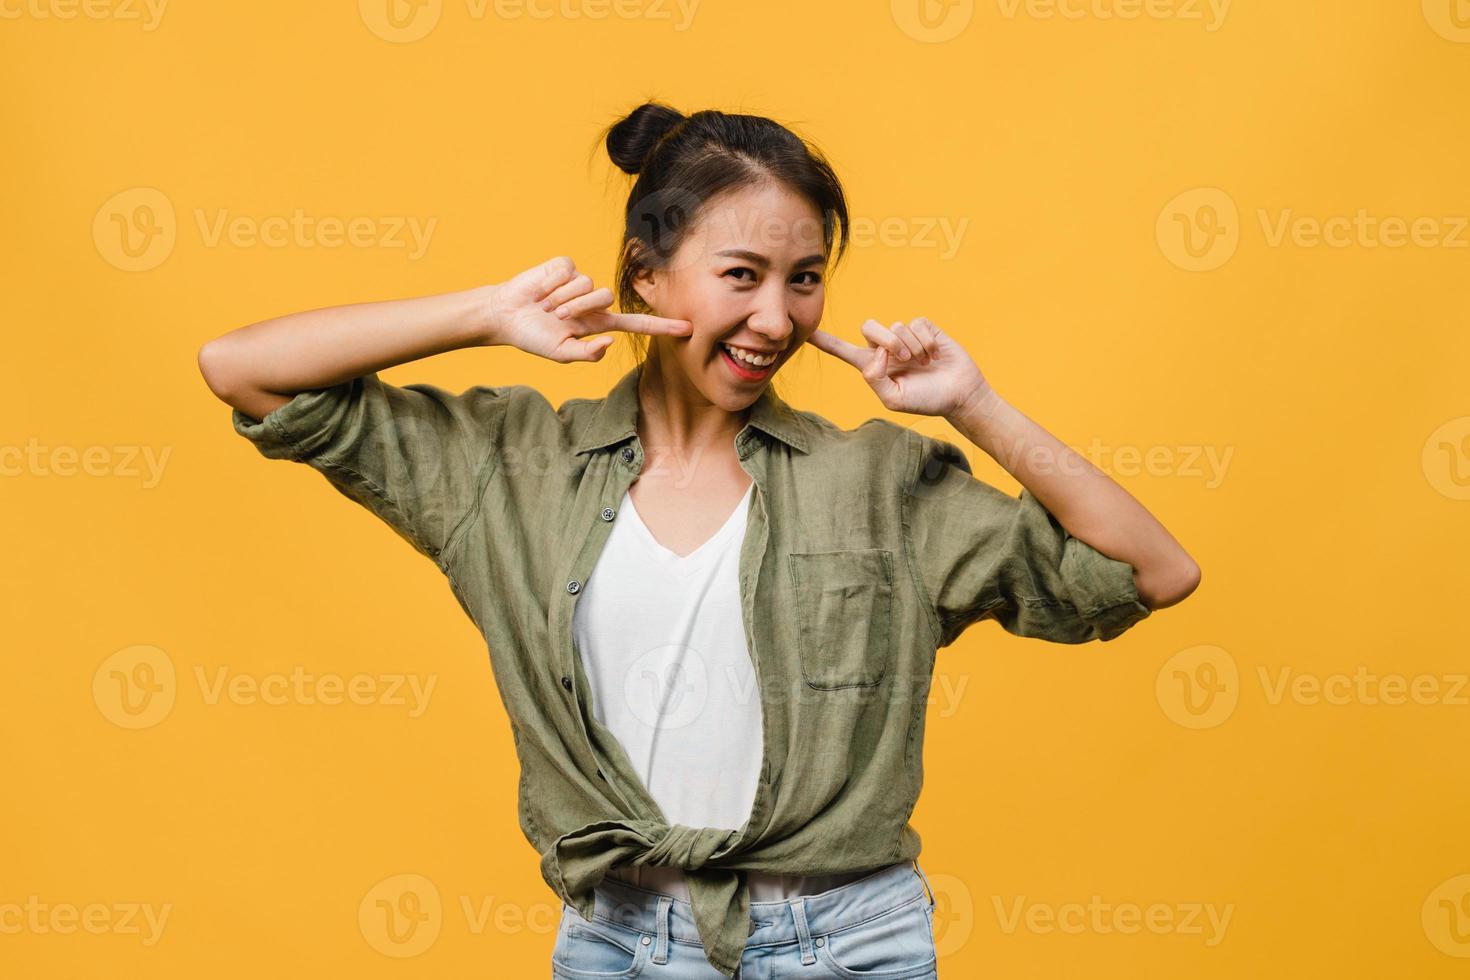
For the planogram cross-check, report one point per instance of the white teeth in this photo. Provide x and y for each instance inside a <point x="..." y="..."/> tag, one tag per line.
<point x="754" y="360"/>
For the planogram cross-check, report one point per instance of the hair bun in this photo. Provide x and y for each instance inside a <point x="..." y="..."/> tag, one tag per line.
<point x="633" y="137"/>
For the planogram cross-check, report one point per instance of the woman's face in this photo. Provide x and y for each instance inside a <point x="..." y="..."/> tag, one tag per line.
<point x="750" y="274"/>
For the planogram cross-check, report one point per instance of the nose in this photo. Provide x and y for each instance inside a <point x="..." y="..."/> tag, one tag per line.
<point x="771" y="317"/>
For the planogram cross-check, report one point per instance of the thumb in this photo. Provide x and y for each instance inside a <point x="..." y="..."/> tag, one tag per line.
<point x="589" y="350"/>
<point x="877" y="368"/>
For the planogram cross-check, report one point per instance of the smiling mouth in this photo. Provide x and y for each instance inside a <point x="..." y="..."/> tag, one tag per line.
<point x="755" y="359"/>
<point x="746" y="365"/>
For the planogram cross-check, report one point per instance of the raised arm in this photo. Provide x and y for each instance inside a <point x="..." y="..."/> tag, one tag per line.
<point x="1084" y="499"/>
<point x="1074" y="557"/>
<point x="258" y="368"/>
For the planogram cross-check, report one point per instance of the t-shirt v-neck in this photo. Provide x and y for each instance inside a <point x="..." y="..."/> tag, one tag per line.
<point x="711" y="544"/>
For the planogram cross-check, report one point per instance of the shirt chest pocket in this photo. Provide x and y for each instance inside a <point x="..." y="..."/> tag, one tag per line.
<point x="843" y="603"/>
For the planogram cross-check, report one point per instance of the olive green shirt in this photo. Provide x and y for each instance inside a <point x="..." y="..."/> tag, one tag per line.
<point x="865" y="551"/>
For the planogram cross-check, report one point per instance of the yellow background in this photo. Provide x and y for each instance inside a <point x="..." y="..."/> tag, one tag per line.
<point x="1073" y="151"/>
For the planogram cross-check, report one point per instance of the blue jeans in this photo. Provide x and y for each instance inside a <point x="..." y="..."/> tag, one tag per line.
<point x="880" y="927"/>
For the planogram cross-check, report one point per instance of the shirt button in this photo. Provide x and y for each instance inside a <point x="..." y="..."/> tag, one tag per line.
<point x="574" y="586"/>
<point x="627" y="454"/>
<point x="566" y="682"/>
<point x="601" y="776"/>
<point x="608" y="513"/>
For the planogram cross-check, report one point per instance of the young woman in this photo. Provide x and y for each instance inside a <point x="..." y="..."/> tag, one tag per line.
<point x="712" y="617"/>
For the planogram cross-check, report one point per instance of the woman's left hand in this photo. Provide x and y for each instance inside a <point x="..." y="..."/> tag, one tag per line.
<point x="913" y="367"/>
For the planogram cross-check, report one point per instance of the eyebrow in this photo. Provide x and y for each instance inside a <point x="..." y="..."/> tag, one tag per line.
<point x="758" y="259"/>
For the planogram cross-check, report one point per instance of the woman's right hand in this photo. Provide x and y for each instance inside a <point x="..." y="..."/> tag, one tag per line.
<point x="548" y="309"/>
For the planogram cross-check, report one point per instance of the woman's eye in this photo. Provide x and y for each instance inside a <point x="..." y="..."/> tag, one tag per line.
<point x="815" y="279"/>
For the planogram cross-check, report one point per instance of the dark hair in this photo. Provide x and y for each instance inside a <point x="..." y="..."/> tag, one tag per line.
<point x="682" y="162"/>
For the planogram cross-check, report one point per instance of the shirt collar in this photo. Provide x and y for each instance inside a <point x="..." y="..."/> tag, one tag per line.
<point x="617" y="417"/>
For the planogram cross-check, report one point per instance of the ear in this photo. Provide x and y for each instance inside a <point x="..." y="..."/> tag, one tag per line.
<point x="646" y="284"/>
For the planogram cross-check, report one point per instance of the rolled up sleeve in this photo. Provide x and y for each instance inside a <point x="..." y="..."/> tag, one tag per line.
<point x="979" y="553"/>
<point x="415" y="455"/>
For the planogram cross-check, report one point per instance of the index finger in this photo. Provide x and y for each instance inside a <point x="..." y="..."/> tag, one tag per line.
<point x="837" y="347"/>
<point x="637" y="323"/>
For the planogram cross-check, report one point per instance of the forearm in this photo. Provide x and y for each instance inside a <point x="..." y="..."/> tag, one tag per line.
<point x="1085" y="500"/>
<point x="258" y="367"/>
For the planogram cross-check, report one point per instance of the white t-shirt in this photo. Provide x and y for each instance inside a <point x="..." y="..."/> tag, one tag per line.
<point x="663" y="645"/>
